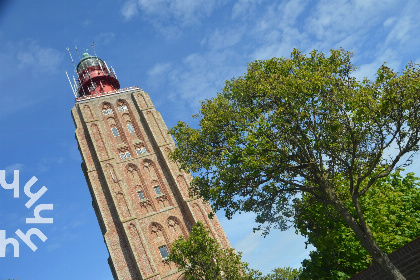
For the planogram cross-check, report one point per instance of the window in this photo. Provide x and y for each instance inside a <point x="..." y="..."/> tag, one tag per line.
<point x="141" y="195"/>
<point x="130" y="128"/>
<point x="106" y="110"/>
<point x="122" y="156"/>
<point x="140" y="151"/>
<point x="127" y="154"/>
<point x="115" y="131"/>
<point x="122" y="108"/>
<point x="163" y="252"/>
<point x="157" y="190"/>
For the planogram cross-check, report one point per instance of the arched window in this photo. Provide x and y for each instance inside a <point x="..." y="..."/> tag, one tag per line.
<point x="157" y="190"/>
<point x="141" y="195"/>
<point x="164" y="252"/>
<point x="130" y="127"/>
<point x="115" y="131"/>
<point x="106" y="110"/>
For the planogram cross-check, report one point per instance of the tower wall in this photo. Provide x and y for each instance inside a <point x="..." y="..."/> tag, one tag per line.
<point x="122" y="170"/>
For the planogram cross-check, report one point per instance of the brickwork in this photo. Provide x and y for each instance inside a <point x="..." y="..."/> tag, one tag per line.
<point x="140" y="197"/>
<point x="406" y="259"/>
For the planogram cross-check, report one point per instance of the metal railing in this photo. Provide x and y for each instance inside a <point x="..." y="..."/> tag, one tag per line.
<point x="108" y="93"/>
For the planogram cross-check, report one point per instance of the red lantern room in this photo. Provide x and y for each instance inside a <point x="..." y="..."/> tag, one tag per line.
<point x="95" y="77"/>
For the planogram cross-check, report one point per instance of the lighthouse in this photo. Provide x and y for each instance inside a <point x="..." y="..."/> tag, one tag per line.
<point x="139" y="195"/>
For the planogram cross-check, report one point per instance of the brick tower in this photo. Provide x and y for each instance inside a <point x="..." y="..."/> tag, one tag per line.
<point x="140" y="197"/>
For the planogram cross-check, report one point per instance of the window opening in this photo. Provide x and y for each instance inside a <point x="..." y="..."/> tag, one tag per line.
<point x="130" y="128"/>
<point x="157" y="190"/>
<point x="140" y="151"/>
<point x="115" y="132"/>
<point x="141" y="195"/>
<point x="164" y="252"/>
<point x="122" y="108"/>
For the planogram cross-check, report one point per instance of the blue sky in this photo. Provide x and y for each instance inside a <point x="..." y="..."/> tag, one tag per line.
<point x="180" y="52"/>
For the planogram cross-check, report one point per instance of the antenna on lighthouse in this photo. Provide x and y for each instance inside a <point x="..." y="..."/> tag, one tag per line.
<point x="76" y="85"/>
<point x="71" y="57"/>
<point x="77" y="51"/>
<point x="75" y="69"/>
<point x="74" y="92"/>
<point x="109" y="72"/>
<point x="97" y="59"/>
<point x="115" y="74"/>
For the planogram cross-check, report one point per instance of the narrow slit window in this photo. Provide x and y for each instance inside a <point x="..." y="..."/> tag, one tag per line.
<point x="130" y="128"/>
<point x="157" y="190"/>
<point x="164" y="252"/>
<point x="141" y="195"/>
<point x="115" y="132"/>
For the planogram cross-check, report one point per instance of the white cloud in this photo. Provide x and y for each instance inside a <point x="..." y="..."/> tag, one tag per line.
<point x="402" y="30"/>
<point x="249" y="244"/>
<point x="375" y="34"/>
<point x="24" y="58"/>
<point x="105" y="38"/>
<point x="46" y="163"/>
<point x="159" y="69"/>
<point x="277" y="249"/>
<point x="169" y="16"/>
<point x="199" y="76"/>
<point x="244" y="9"/>
<point x="10" y="168"/>
<point x="30" y="55"/>
<point x="389" y="21"/>
<point x="158" y="73"/>
<point x="129" y="9"/>
<point x="224" y="38"/>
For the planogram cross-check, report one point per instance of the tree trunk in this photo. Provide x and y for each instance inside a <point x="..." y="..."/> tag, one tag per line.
<point x="365" y="237"/>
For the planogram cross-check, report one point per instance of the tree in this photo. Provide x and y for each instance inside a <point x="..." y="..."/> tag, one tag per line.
<point x="392" y="211"/>
<point x="287" y="273"/>
<point x="290" y="126"/>
<point x="202" y="258"/>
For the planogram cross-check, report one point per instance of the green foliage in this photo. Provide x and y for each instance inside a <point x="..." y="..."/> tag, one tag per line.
<point x="202" y="258"/>
<point x="292" y="119"/>
<point x="392" y="210"/>
<point x="289" y="126"/>
<point x="286" y="273"/>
